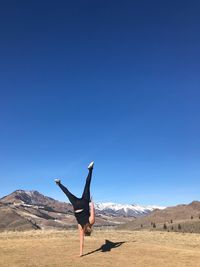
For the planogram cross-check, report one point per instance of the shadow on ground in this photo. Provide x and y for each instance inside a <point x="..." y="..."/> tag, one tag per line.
<point x="107" y="246"/>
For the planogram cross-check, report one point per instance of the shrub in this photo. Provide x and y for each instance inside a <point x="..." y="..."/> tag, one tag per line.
<point x="164" y="226"/>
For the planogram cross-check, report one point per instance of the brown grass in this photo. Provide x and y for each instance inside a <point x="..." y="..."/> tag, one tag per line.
<point x="61" y="248"/>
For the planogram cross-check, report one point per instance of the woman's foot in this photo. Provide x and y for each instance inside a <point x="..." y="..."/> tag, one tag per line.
<point x="57" y="181"/>
<point x="91" y="165"/>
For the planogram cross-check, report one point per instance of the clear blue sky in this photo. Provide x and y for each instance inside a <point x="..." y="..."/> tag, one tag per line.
<point x="117" y="82"/>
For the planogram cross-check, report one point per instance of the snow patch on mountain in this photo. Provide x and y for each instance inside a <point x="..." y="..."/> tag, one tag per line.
<point x="127" y="210"/>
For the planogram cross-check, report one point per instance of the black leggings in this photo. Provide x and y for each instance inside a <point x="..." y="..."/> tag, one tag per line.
<point x="79" y="203"/>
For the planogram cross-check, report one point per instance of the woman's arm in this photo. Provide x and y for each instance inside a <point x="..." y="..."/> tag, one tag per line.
<point x="81" y="237"/>
<point x="92" y="213"/>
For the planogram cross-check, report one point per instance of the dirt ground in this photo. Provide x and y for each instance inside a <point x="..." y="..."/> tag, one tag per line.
<point x="103" y="248"/>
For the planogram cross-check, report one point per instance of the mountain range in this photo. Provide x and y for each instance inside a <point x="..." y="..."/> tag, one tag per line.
<point x="126" y="210"/>
<point x="32" y="210"/>
<point x="25" y="210"/>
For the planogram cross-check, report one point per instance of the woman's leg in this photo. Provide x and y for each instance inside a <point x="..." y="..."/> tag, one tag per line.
<point x="86" y="192"/>
<point x="73" y="199"/>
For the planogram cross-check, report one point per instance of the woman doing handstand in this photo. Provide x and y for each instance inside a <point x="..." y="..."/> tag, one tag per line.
<point x="83" y="208"/>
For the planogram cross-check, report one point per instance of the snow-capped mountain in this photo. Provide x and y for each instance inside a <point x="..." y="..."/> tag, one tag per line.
<point x="127" y="210"/>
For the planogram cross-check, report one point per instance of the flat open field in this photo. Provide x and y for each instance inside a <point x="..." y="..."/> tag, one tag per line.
<point x="103" y="248"/>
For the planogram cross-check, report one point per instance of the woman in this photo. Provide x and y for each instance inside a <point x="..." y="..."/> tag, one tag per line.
<point x="84" y="213"/>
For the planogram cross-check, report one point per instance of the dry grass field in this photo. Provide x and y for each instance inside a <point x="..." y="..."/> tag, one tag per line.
<point x="103" y="248"/>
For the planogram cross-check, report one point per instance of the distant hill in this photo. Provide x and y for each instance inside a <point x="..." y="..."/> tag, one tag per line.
<point x="184" y="218"/>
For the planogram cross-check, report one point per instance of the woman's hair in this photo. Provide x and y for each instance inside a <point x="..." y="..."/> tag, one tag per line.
<point x="87" y="228"/>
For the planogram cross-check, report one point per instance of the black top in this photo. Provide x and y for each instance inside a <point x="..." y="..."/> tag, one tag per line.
<point x="82" y="217"/>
